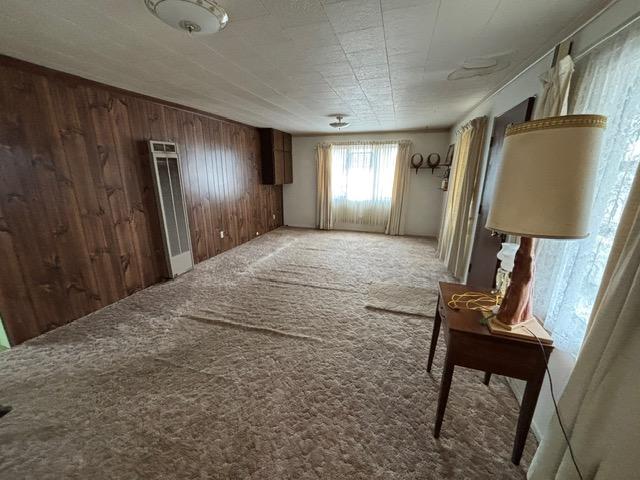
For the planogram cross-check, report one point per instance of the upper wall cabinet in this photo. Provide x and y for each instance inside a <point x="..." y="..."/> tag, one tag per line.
<point x="277" y="164"/>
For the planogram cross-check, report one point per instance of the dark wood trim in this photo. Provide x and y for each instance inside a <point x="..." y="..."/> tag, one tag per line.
<point x="72" y="79"/>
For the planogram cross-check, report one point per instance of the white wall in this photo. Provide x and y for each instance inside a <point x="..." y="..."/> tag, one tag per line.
<point x="526" y="85"/>
<point x="425" y="196"/>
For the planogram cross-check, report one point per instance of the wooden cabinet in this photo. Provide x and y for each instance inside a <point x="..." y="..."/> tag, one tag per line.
<point x="288" y="167"/>
<point x="277" y="162"/>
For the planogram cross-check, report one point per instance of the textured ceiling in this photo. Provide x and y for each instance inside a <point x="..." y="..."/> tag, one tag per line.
<point x="290" y="63"/>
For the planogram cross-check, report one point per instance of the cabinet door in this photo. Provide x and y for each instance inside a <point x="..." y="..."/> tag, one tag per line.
<point x="278" y="140"/>
<point x="287" y="142"/>
<point x="278" y="166"/>
<point x="288" y="167"/>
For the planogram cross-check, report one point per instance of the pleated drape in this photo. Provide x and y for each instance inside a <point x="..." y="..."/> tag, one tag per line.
<point x="553" y="101"/>
<point x="600" y="405"/>
<point x="395" y="224"/>
<point x="455" y="239"/>
<point x="324" y="220"/>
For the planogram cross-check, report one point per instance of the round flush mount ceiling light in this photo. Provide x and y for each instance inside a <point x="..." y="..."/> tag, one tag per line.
<point x="339" y="123"/>
<point x="197" y="17"/>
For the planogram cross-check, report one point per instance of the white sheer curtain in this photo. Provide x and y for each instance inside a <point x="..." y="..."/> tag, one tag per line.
<point x="362" y="184"/>
<point x="568" y="275"/>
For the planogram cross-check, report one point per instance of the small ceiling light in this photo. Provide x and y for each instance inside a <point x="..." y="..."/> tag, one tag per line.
<point x="197" y="17"/>
<point x="339" y="124"/>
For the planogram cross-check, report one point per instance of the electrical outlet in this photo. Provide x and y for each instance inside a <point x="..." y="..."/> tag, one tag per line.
<point x="221" y="233"/>
<point x="274" y="216"/>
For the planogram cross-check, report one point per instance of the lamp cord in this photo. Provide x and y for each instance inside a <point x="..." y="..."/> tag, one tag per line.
<point x="555" y="404"/>
<point x="478" y="301"/>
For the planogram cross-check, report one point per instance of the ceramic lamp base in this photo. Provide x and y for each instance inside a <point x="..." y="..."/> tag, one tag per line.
<point x="516" y="305"/>
<point x="530" y="330"/>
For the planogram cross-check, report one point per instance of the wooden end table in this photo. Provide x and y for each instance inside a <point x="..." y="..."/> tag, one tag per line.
<point x="470" y="344"/>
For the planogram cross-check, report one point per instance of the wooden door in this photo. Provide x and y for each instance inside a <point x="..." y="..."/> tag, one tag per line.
<point x="486" y="245"/>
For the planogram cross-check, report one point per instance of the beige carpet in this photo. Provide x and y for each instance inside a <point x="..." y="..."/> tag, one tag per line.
<point x="276" y="360"/>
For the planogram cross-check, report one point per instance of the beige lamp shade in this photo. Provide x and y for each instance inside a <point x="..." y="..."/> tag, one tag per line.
<point x="546" y="182"/>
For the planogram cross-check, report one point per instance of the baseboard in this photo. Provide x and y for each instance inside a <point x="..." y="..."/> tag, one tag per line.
<point x="295" y="225"/>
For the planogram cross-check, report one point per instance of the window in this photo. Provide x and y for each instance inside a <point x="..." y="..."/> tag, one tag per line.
<point x="362" y="183"/>
<point x="569" y="272"/>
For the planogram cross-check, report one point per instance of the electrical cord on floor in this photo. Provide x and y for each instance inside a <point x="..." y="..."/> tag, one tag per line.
<point x="555" y="405"/>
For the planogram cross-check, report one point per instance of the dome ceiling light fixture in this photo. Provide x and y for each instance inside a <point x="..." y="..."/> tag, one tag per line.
<point x="339" y="123"/>
<point x="196" y="17"/>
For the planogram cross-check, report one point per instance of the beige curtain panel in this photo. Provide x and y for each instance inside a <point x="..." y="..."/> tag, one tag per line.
<point x="456" y="230"/>
<point x="395" y="224"/>
<point x="554" y="98"/>
<point x="323" y="190"/>
<point x="600" y="406"/>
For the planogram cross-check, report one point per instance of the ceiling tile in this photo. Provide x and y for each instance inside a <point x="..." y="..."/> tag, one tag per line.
<point x="342" y="81"/>
<point x="257" y="31"/>
<point x="292" y="13"/>
<point x="469" y="18"/>
<point x="243" y="9"/>
<point x="323" y="55"/>
<point x="371" y="56"/>
<point x="352" y="15"/>
<point x="362" y="39"/>
<point x="335" y="69"/>
<point x="313" y="35"/>
<point x="410" y="59"/>
<point x="392" y="4"/>
<point x="371" y="72"/>
<point x="289" y="63"/>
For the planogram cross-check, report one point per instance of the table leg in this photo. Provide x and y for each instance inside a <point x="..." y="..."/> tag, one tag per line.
<point x="529" y="401"/>
<point x="487" y="378"/>
<point x="434" y="335"/>
<point x="445" y="385"/>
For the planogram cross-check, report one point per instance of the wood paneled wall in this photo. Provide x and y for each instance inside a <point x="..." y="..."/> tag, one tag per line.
<point x="79" y="224"/>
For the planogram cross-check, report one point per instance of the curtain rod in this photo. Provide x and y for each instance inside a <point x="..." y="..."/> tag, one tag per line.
<point x="624" y="25"/>
<point x="368" y="142"/>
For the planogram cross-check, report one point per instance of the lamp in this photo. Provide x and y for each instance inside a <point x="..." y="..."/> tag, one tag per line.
<point x="196" y="17"/>
<point x="544" y="190"/>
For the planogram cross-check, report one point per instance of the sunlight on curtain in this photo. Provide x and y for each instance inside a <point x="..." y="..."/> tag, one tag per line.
<point x="569" y="272"/>
<point x="456" y="229"/>
<point x="362" y="183"/>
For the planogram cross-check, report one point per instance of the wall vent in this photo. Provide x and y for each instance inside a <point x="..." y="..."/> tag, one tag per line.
<point x="173" y="212"/>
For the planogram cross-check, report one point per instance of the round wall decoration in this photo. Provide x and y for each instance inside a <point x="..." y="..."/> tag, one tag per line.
<point x="433" y="160"/>
<point x="416" y="161"/>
